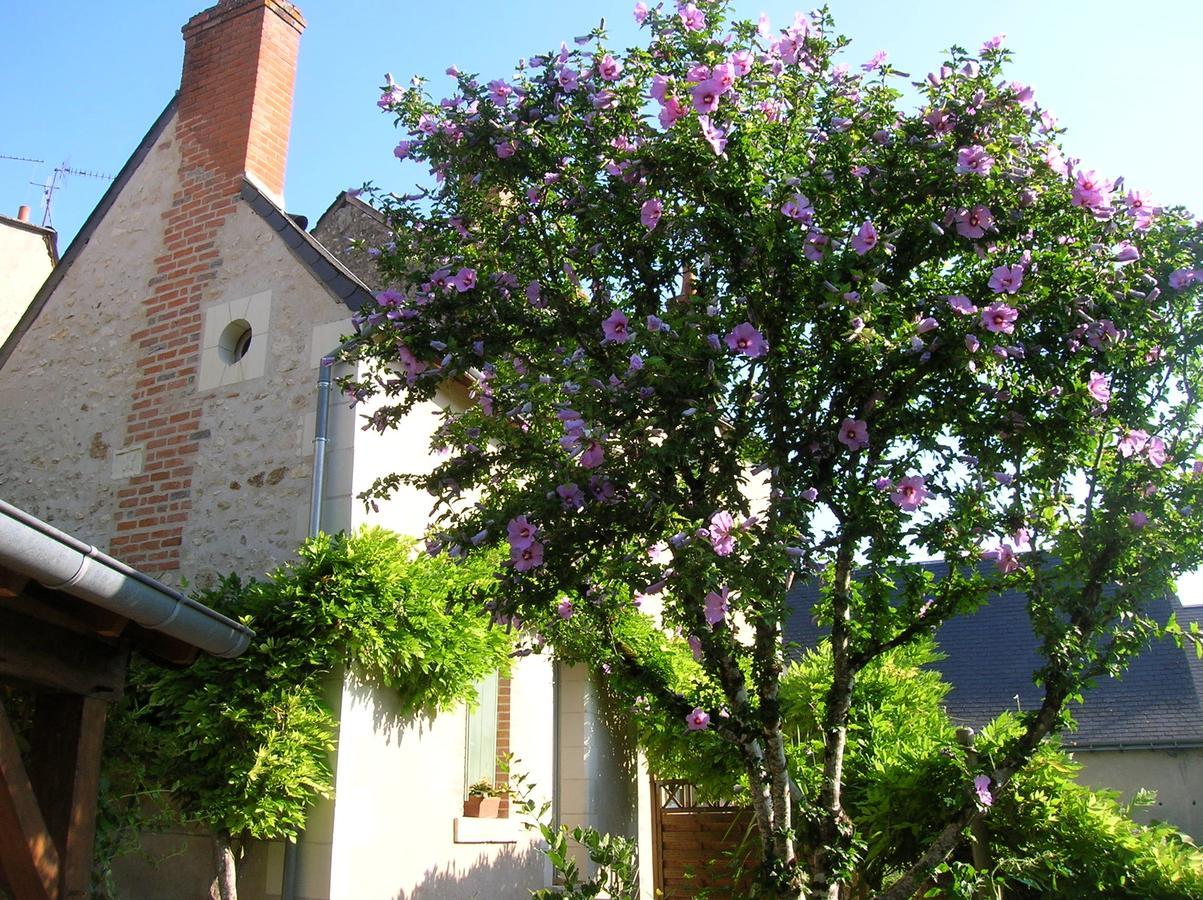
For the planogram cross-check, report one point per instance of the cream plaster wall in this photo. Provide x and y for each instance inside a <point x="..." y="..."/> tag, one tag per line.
<point x="400" y="790"/>
<point x="400" y="780"/>
<point x="405" y="449"/>
<point x="64" y="392"/>
<point x="1176" y="776"/>
<point x="24" y="264"/>
<point x="647" y="871"/>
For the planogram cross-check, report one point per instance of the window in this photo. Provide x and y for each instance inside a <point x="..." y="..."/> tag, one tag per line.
<point x="234" y="341"/>
<point x="487" y="744"/>
<point x="480" y="757"/>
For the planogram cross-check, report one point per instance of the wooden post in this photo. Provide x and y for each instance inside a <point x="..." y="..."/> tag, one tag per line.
<point x="980" y="842"/>
<point x="28" y="857"/>
<point x="68" y="734"/>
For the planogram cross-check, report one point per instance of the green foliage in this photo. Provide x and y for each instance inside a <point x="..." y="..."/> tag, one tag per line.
<point x="655" y="680"/>
<point x="1049" y="835"/>
<point x="485" y="788"/>
<point x="242" y="745"/>
<point x="1052" y="837"/>
<point x="902" y="772"/>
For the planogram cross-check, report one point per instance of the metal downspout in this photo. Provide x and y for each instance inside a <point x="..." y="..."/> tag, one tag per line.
<point x="321" y="437"/>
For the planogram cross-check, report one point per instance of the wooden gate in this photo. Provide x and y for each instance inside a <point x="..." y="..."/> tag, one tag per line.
<point x="697" y="846"/>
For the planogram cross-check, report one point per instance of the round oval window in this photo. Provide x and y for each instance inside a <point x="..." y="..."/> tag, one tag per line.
<point x="235" y="341"/>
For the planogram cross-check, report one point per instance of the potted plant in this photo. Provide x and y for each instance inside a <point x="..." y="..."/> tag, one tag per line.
<point x="484" y="800"/>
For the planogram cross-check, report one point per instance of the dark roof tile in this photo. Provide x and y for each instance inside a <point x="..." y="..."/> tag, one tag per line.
<point x="322" y="264"/>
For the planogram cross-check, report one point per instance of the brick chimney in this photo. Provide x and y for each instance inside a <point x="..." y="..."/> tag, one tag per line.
<point x="235" y="106"/>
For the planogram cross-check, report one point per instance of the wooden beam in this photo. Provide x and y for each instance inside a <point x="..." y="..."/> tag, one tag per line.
<point x="65" y="611"/>
<point x="12" y="584"/>
<point x="162" y="647"/>
<point x="68" y="736"/>
<point x="40" y="654"/>
<point x="28" y="856"/>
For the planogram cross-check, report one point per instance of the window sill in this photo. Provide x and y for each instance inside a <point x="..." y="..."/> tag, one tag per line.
<point x="470" y="830"/>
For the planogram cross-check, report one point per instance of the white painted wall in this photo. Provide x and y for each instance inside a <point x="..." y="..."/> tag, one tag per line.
<point x="598" y="767"/>
<point x="646" y="799"/>
<point x="400" y="789"/>
<point x="400" y="781"/>
<point x="405" y="449"/>
<point x="24" y="264"/>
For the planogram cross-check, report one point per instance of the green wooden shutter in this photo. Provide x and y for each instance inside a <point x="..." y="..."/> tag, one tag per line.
<point x="480" y="754"/>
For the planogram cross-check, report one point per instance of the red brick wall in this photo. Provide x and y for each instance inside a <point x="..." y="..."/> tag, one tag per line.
<point x="503" y="739"/>
<point x="234" y="114"/>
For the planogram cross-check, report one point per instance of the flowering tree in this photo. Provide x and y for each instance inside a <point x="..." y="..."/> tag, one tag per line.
<point x="732" y="314"/>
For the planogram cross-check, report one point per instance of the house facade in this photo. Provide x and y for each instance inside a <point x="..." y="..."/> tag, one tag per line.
<point x="165" y="381"/>
<point x="28" y="253"/>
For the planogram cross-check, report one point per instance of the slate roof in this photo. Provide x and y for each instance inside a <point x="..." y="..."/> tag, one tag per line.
<point x="321" y="263"/>
<point x="992" y="654"/>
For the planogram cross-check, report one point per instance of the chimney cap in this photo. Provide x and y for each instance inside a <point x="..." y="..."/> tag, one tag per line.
<point x="227" y="9"/>
<point x="22" y="213"/>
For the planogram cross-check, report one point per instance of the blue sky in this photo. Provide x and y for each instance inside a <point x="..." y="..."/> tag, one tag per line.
<point x="84" y="80"/>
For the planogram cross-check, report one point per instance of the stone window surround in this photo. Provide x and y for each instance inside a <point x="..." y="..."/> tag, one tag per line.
<point x="214" y="370"/>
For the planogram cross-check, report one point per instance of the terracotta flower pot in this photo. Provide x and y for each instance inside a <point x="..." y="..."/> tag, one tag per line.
<point x="477" y="807"/>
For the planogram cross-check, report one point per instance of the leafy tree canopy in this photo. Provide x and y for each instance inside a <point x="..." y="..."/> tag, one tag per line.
<point x="735" y="312"/>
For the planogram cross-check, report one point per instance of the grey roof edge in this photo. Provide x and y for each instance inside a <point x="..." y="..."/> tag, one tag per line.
<point x="346" y="198"/>
<point x="1127" y="746"/>
<point x="85" y="233"/>
<point x="340" y="281"/>
<point x="65" y="563"/>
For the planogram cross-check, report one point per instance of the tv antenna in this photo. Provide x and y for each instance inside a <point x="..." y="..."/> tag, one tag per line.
<point x="55" y="182"/>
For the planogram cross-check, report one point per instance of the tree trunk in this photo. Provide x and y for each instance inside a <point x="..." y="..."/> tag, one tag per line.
<point x="769" y="651"/>
<point x="225" y="879"/>
<point x="834" y="827"/>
